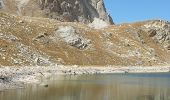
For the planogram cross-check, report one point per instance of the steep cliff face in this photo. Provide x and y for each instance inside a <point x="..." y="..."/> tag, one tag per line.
<point x="64" y="10"/>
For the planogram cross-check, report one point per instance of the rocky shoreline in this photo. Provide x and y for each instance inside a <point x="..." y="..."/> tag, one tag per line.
<point x="18" y="77"/>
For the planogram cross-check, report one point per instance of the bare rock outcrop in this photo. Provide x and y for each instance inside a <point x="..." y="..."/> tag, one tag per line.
<point x="64" y="10"/>
<point x="159" y="30"/>
<point x="1" y="4"/>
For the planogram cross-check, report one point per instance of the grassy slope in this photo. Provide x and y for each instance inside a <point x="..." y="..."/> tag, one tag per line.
<point x="28" y="41"/>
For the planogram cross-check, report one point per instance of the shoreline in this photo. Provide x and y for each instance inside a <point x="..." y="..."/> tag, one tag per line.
<point x="18" y="77"/>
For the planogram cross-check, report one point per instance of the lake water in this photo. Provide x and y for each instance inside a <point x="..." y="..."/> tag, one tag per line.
<point x="97" y="87"/>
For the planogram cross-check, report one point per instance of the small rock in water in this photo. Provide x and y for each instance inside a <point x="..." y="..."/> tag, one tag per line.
<point x="46" y="85"/>
<point x="126" y="72"/>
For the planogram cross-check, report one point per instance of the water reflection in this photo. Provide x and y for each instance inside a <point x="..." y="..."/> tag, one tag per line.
<point x="98" y="87"/>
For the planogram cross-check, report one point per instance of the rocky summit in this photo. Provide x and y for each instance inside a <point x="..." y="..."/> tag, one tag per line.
<point x="77" y="32"/>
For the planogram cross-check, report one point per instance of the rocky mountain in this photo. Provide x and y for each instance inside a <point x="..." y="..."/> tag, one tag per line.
<point x="31" y="35"/>
<point x="64" y="10"/>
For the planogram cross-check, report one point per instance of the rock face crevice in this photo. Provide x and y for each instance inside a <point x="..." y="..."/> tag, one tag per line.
<point x="64" y="10"/>
<point x="1" y="4"/>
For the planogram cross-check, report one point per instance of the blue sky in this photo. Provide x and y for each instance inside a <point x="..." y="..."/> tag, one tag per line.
<point x="123" y="11"/>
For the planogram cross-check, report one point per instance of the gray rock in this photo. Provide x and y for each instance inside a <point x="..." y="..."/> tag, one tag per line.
<point x="76" y="10"/>
<point x="64" y="10"/>
<point x="152" y="33"/>
<point x="1" y="4"/>
<point x="70" y="35"/>
<point x="160" y="31"/>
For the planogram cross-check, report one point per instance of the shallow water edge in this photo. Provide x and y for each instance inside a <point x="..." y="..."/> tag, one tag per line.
<point x="19" y="77"/>
<point x="117" y="86"/>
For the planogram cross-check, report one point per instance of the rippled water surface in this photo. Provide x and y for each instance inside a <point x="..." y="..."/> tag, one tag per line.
<point x="97" y="87"/>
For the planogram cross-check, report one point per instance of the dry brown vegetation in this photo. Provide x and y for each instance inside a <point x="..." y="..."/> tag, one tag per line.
<point x="36" y="41"/>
